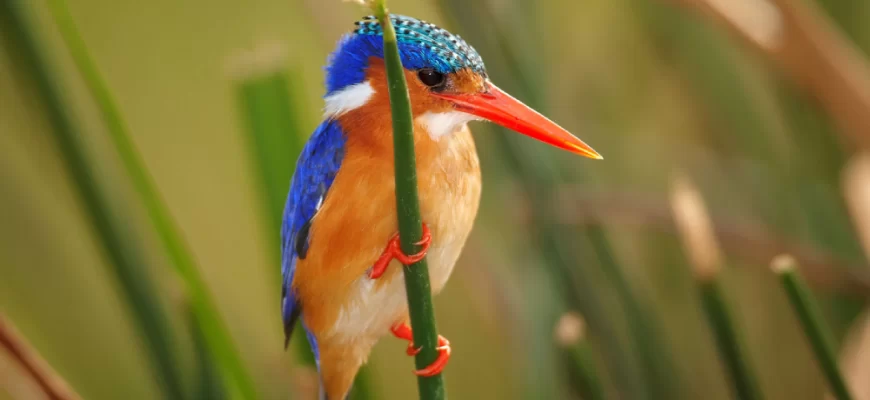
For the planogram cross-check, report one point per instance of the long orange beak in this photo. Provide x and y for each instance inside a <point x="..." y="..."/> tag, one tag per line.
<point x="501" y="108"/>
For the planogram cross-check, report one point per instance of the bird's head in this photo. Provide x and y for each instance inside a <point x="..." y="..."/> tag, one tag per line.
<point x="447" y="83"/>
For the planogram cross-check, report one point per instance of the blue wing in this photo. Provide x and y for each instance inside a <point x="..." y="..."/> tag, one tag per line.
<point x="315" y="171"/>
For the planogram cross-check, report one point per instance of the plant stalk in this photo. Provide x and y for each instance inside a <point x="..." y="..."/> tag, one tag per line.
<point x="814" y="327"/>
<point x="408" y="211"/>
<point x="739" y="371"/>
<point x="124" y="260"/>
<point x="205" y="312"/>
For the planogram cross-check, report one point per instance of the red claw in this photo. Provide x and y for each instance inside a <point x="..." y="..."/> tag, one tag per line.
<point x="403" y="331"/>
<point x="394" y="251"/>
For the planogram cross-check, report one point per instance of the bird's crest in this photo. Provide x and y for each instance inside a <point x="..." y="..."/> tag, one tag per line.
<point x="421" y="45"/>
<point x="450" y="52"/>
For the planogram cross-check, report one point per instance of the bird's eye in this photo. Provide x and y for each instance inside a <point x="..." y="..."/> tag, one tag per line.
<point x="431" y="78"/>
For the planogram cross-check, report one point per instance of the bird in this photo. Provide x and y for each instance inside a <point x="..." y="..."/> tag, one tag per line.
<point x="341" y="260"/>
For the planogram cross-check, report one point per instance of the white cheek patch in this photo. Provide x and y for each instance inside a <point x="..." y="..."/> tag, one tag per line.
<point x="444" y="123"/>
<point x="349" y="98"/>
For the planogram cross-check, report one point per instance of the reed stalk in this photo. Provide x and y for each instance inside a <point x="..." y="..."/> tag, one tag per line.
<point x="271" y="116"/>
<point x="205" y="312"/>
<point x="417" y="283"/>
<point x="820" y="338"/>
<point x="124" y="261"/>
<point x="269" y="98"/>
<point x="728" y="342"/>
<point x="696" y="232"/>
<point x="571" y="336"/>
<point x="654" y="376"/>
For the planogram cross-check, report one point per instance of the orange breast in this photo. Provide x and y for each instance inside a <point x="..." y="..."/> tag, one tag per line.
<point x="357" y="219"/>
<point x="358" y="216"/>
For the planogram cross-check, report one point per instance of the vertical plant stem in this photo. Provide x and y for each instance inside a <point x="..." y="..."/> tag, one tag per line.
<point x="811" y="321"/>
<point x="571" y="336"/>
<point x="696" y="232"/>
<point x="645" y="332"/>
<point x="269" y="99"/>
<point x="583" y="361"/>
<point x="270" y="115"/>
<point x="727" y="341"/>
<point x="408" y="209"/>
<point x="208" y="384"/>
<point x="135" y="286"/>
<point x="557" y="248"/>
<point x="206" y="315"/>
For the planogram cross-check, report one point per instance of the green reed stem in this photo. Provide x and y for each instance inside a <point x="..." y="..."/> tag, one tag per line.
<point x="742" y="377"/>
<point x="581" y="354"/>
<point x="643" y="328"/>
<point x="218" y="338"/>
<point x="275" y="117"/>
<point x="408" y="209"/>
<point x="272" y="119"/>
<point x="272" y="114"/>
<point x="813" y="325"/>
<point x="124" y="260"/>
<point x="571" y="337"/>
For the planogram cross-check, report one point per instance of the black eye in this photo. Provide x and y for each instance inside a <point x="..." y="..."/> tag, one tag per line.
<point x="431" y="78"/>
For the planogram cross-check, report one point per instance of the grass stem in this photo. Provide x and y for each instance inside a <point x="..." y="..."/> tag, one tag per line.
<point x="204" y="310"/>
<point x="812" y="323"/>
<point x="124" y="260"/>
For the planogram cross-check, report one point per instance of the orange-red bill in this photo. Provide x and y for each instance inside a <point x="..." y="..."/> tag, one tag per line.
<point x="497" y="106"/>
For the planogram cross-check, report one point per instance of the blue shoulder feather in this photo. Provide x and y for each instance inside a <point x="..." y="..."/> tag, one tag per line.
<point x="315" y="171"/>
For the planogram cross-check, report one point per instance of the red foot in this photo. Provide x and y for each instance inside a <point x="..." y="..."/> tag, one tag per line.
<point x="403" y="331"/>
<point x="394" y="251"/>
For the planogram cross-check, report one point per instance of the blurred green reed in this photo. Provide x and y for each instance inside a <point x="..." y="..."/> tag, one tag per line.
<point x="267" y="101"/>
<point x="702" y="249"/>
<point x="274" y="116"/>
<point x="269" y="97"/>
<point x="771" y="153"/>
<point x="211" y="329"/>
<point x="814" y="327"/>
<point x="728" y="340"/>
<point x="125" y="260"/>
<point x="208" y="384"/>
<point x="536" y="173"/>
<point x="571" y="336"/>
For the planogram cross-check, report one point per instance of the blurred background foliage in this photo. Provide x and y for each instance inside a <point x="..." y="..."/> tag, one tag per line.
<point x="219" y="96"/>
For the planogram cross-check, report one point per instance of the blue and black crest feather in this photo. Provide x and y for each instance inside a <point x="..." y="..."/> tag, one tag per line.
<point x="421" y="45"/>
<point x="454" y="52"/>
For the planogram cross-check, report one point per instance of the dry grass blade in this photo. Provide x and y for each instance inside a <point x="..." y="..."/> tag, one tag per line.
<point x="855" y="358"/>
<point x="695" y="228"/>
<point x="809" y="48"/>
<point x="856" y="186"/>
<point x="744" y="239"/>
<point x="52" y="385"/>
<point x="696" y="233"/>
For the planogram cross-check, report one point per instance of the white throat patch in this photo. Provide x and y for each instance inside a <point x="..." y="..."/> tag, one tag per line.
<point x="444" y="123"/>
<point x="349" y="98"/>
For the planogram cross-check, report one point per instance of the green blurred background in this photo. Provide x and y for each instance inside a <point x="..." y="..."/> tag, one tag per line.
<point x="653" y="85"/>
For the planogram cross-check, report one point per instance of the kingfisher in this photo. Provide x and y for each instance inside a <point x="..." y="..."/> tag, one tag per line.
<point x="341" y="259"/>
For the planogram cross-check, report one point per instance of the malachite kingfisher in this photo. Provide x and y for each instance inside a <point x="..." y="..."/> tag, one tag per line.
<point x="341" y="261"/>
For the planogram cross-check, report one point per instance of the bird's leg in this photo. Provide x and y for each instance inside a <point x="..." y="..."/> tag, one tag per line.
<point x="403" y="331"/>
<point x="394" y="251"/>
